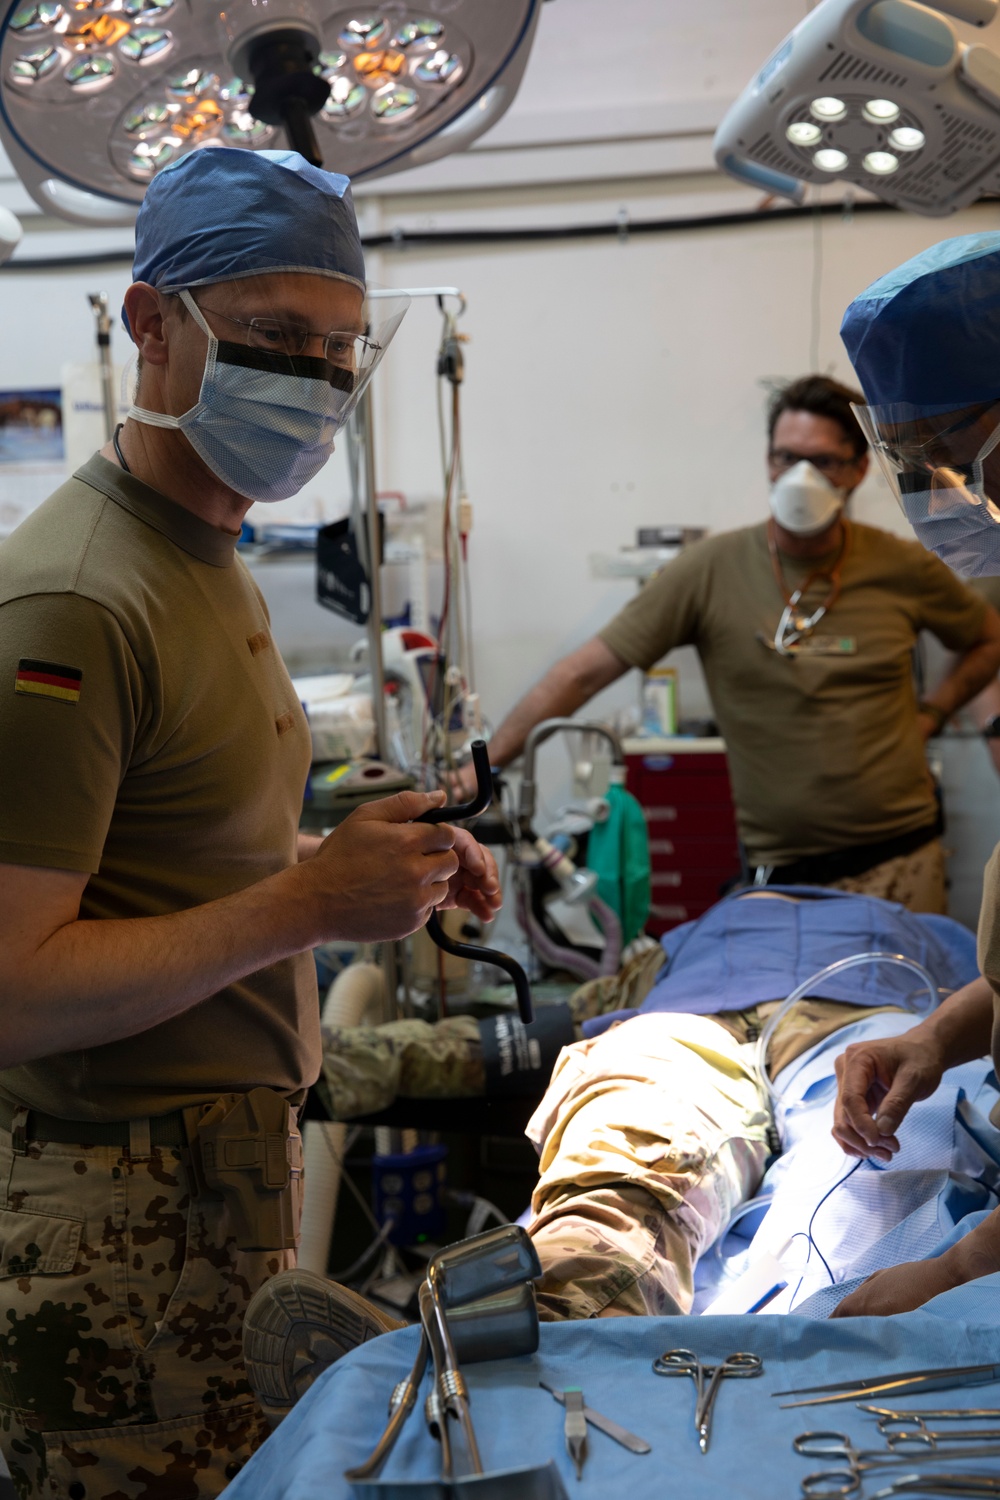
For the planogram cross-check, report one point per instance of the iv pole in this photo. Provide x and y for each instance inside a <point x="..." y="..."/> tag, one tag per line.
<point x="375" y="660"/>
<point x="99" y="302"/>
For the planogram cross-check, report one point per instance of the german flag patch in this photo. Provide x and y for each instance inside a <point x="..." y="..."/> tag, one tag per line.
<point x="48" y="679"/>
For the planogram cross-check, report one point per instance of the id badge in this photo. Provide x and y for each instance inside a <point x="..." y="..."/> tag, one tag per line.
<point x="826" y="645"/>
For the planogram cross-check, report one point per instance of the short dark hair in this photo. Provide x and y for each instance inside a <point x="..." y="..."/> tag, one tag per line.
<point x="822" y="397"/>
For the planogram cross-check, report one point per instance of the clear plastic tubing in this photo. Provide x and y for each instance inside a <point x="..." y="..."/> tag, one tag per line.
<point x="928" y="988"/>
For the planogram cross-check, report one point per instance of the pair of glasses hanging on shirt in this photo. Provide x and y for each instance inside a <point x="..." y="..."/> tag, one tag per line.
<point x="796" y="623"/>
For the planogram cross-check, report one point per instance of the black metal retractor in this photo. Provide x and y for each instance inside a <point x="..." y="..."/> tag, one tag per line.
<point x="458" y="813"/>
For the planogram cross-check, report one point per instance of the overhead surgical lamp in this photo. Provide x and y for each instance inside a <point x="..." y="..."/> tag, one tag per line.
<point x="880" y="93"/>
<point x="96" y="96"/>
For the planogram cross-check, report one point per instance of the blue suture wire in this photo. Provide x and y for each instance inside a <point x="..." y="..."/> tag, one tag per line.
<point x="809" y="1234"/>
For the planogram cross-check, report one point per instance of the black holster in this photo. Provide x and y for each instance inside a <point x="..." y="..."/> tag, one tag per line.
<point x="246" y="1149"/>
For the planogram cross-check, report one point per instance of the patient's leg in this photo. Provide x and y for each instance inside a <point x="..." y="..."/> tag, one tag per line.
<point x="650" y="1136"/>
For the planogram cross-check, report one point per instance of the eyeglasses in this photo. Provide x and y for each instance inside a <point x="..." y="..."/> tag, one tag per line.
<point x="347" y="351"/>
<point x="826" y="463"/>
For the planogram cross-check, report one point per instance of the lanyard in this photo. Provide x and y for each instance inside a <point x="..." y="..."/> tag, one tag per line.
<point x="795" y="623"/>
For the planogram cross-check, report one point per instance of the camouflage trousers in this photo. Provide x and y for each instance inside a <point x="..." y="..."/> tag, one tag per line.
<point x="917" y="881"/>
<point x="649" y="1136"/>
<point x="122" y="1298"/>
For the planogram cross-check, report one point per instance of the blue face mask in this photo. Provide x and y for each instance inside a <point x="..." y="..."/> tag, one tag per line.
<point x="953" y="516"/>
<point x="264" y="423"/>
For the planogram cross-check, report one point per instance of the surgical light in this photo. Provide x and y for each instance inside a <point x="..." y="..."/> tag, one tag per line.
<point x="803" y="133"/>
<point x="880" y="111"/>
<point x="907" y="138"/>
<point x="880" y="163"/>
<point x="828" y="109"/>
<point x="359" y="89"/>
<point x="829" y="159"/>
<point x="911" y="106"/>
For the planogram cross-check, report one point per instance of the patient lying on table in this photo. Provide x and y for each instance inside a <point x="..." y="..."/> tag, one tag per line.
<point x="652" y="1133"/>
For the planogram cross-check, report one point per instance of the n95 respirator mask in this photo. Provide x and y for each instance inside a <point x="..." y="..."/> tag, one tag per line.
<point x="804" y="502"/>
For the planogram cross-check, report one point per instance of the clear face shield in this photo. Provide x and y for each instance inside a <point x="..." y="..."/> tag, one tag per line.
<point x="286" y="359"/>
<point x="945" y="475"/>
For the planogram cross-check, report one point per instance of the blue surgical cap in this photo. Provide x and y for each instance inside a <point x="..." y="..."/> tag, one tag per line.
<point x="223" y="213"/>
<point x="927" y="335"/>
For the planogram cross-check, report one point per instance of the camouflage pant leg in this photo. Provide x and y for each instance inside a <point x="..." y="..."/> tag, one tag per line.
<point x="916" y="881"/>
<point x="365" y="1068"/>
<point x="650" y="1135"/>
<point x="121" y="1307"/>
<point x="609" y="1252"/>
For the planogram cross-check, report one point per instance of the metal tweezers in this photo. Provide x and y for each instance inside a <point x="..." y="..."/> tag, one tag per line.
<point x="907" y="1383"/>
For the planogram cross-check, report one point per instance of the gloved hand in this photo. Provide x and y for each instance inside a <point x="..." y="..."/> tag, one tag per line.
<point x="877" y="1082"/>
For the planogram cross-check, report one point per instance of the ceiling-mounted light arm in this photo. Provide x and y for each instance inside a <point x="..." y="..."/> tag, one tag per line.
<point x="281" y="58"/>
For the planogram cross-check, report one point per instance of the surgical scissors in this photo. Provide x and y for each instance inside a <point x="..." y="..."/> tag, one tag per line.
<point x="854" y="1463"/>
<point x="707" y="1380"/>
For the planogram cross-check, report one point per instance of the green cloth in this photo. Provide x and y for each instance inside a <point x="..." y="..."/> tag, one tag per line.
<point x="618" y="853"/>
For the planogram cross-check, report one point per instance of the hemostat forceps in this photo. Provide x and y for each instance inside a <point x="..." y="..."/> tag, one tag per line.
<point x="912" y="1428"/>
<point x="707" y="1380"/>
<point x="853" y="1463"/>
<point x="943" y="1485"/>
<point x="948" y="1414"/>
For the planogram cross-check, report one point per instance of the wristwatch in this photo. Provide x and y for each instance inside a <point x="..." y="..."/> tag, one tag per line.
<point x="935" y="712"/>
<point x="991" y="729"/>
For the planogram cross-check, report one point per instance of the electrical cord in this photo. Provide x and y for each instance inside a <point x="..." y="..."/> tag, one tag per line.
<point x="808" y="1231"/>
<point x="352" y="1270"/>
<point x="346" y="1177"/>
<point x="398" y="239"/>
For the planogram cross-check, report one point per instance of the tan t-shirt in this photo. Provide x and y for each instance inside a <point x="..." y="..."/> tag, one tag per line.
<point x="824" y="748"/>
<point x="151" y="738"/>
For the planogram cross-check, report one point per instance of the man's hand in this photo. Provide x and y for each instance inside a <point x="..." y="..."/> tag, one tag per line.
<point x="928" y="726"/>
<point x="381" y="874"/>
<point x="897" y="1289"/>
<point x="902" y="1288"/>
<point x="877" y="1082"/>
<point x="476" y="885"/>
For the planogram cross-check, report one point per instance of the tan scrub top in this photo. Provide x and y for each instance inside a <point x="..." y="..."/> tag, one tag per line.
<point x="824" y="748"/>
<point x="150" y="738"/>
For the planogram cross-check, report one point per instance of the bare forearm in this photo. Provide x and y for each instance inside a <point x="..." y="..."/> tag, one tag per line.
<point x="554" y="697"/>
<point x="969" y="676"/>
<point x="95" y="982"/>
<point x="961" y="1028"/>
<point x="567" y="686"/>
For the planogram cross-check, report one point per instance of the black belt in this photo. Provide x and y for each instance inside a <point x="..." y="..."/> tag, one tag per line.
<point x="844" y="864"/>
<point x="164" y="1130"/>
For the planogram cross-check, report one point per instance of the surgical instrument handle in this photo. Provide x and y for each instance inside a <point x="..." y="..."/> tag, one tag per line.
<point x="449" y="1379"/>
<point x="404" y="1399"/>
<point x="538" y="736"/>
<point x="435" y="931"/>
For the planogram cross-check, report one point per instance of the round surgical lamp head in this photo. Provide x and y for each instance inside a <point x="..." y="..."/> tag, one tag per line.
<point x="10" y="234"/>
<point x="97" y="96"/>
